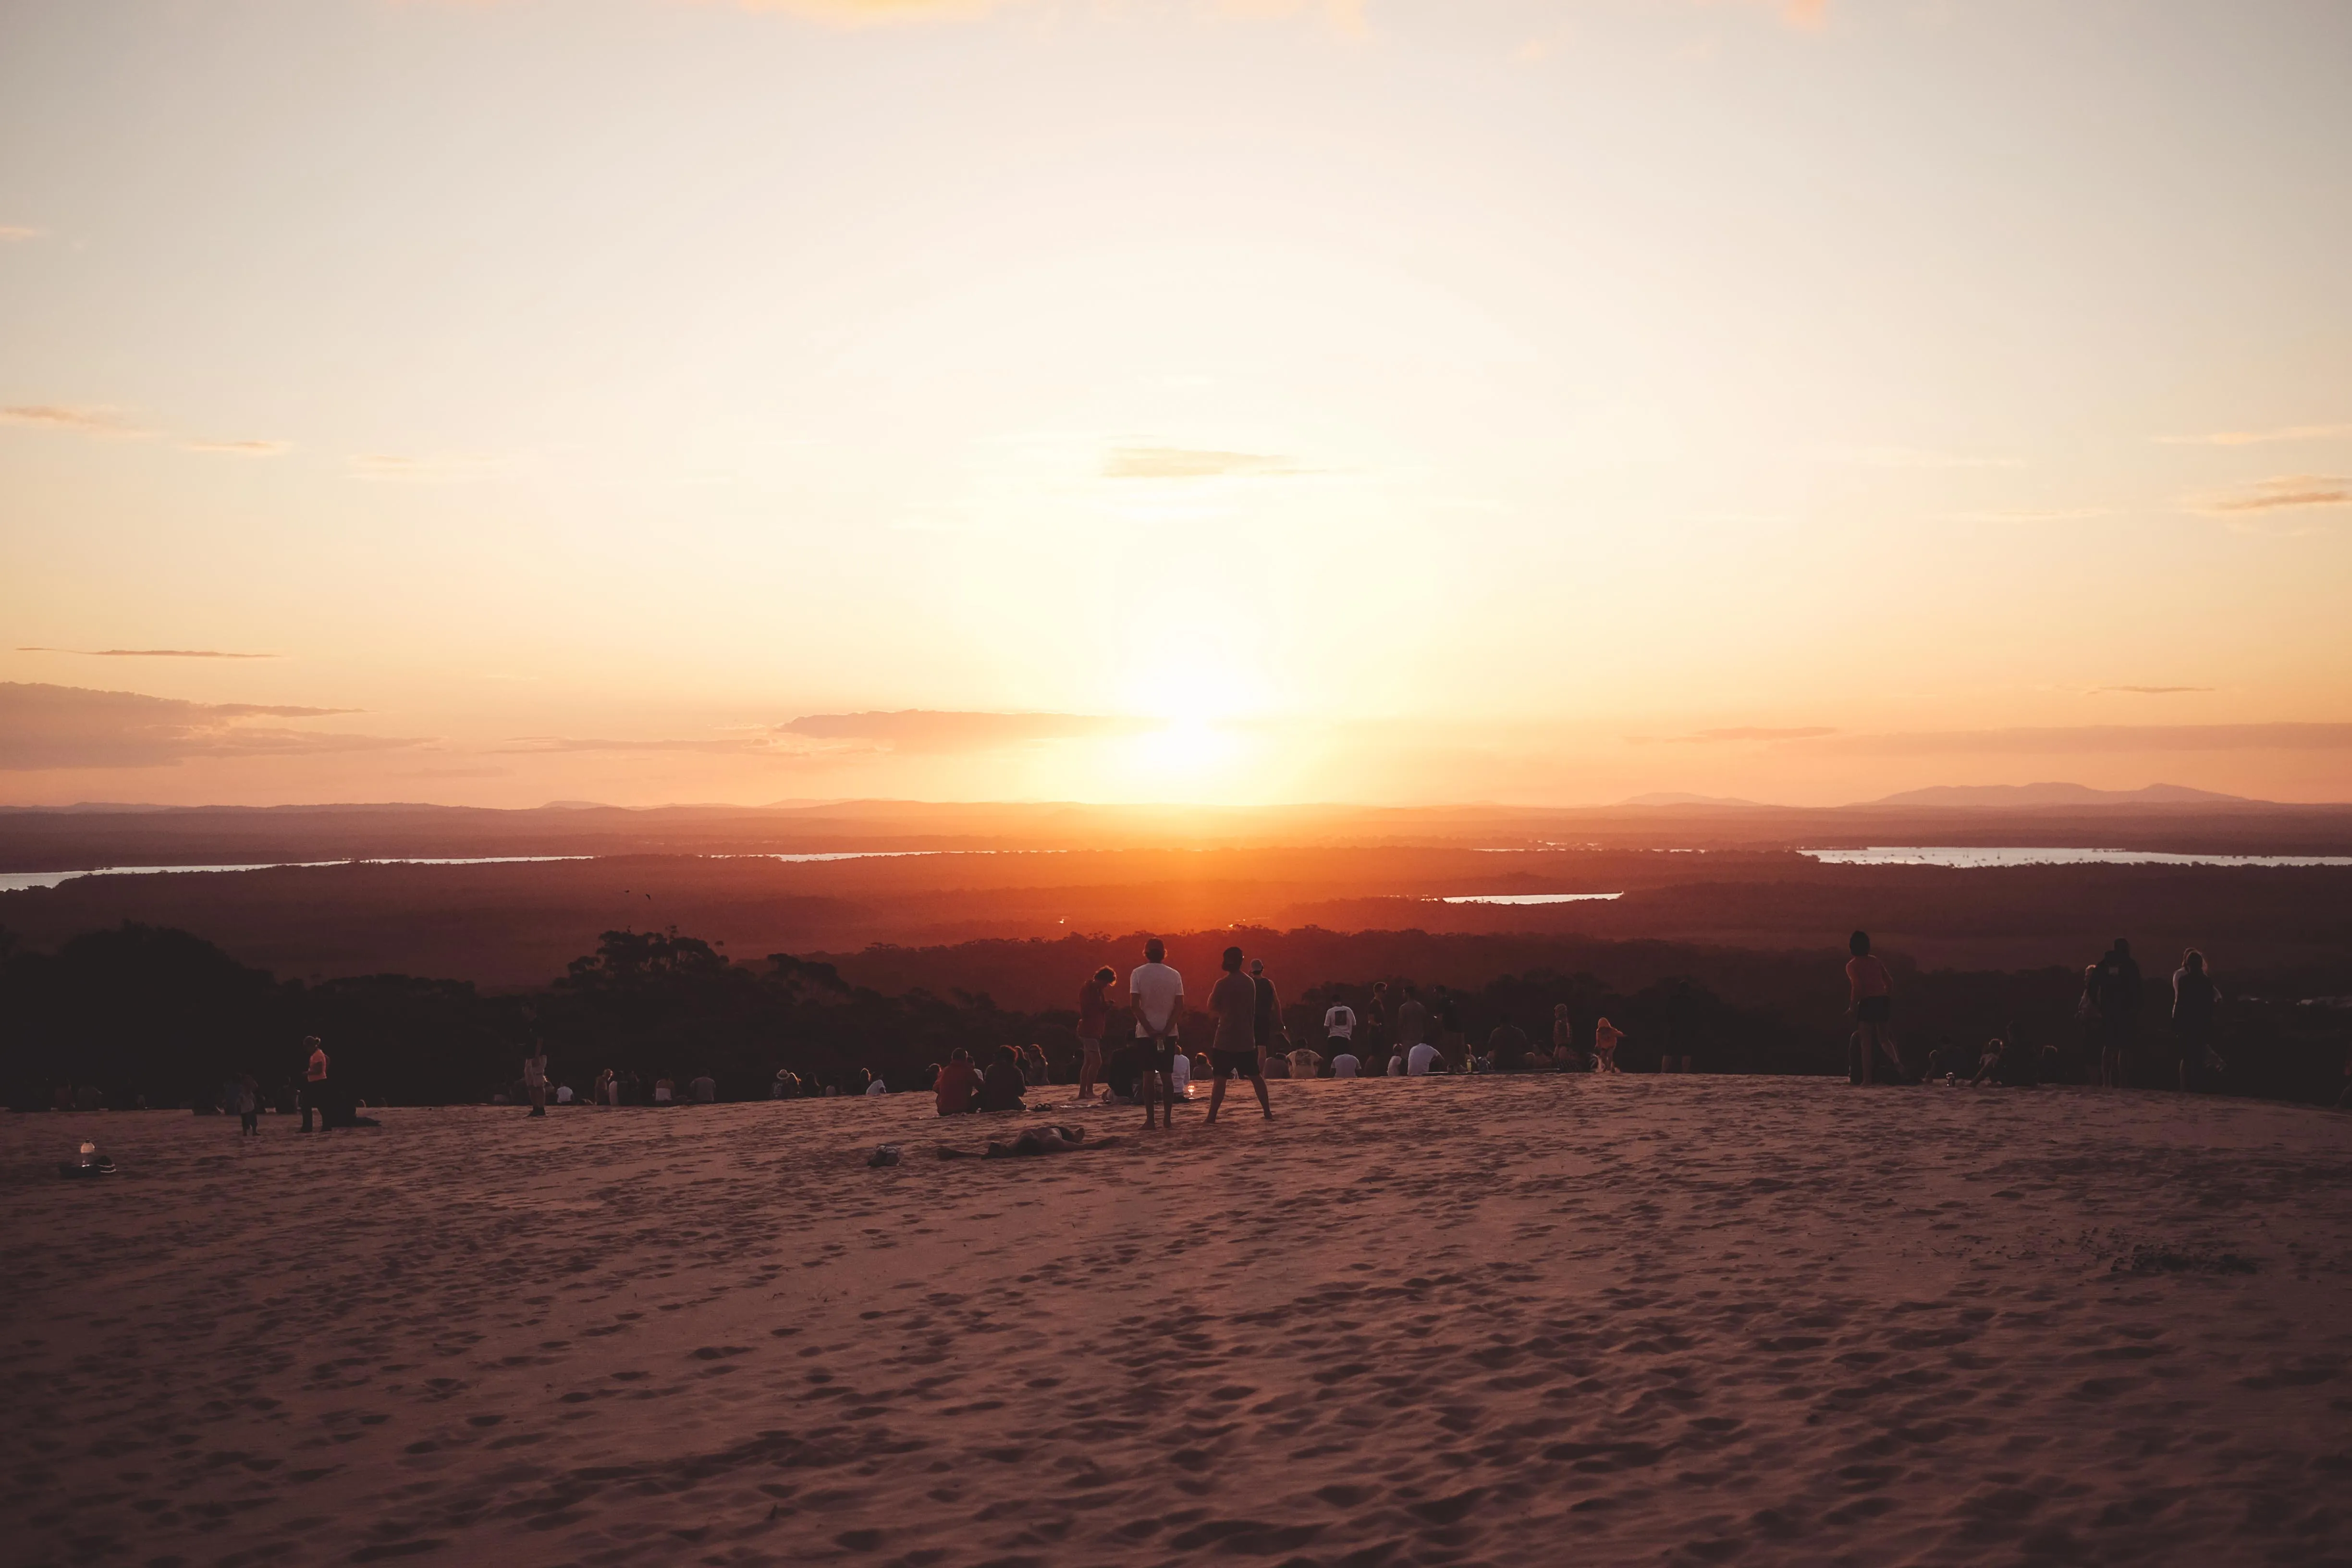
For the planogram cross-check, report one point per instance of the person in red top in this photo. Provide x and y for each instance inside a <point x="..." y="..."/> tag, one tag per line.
<point x="1870" y="997"/>
<point x="1094" y="1017"/>
<point x="959" y="1081"/>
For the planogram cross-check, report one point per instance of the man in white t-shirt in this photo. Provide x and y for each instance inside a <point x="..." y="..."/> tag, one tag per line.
<point x="1420" y="1058"/>
<point x="1339" y="1027"/>
<point x="1157" y="993"/>
<point x="1345" y="1065"/>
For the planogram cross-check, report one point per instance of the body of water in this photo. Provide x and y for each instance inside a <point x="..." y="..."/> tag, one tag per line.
<point x="1970" y="857"/>
<point x="1524" y="898"/>
<point x="17" y="881"/>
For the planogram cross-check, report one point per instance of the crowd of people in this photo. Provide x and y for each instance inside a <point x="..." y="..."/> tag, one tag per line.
<point x="2114" y="994"/>
<point x="1131" y="1051"/>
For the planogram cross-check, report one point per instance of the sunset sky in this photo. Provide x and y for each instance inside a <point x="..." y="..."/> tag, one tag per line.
<point x="1403" y="401"/>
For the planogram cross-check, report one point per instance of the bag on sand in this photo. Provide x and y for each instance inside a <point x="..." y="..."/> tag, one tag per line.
<point x="886" y="1154"/>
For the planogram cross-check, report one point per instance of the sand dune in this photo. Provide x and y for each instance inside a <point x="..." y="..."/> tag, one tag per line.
<point x="1539" y="1321"/>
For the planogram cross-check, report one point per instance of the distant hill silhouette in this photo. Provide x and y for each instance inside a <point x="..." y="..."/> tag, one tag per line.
<point x="1675" y="797"/>
<point x="2044" y="794"/>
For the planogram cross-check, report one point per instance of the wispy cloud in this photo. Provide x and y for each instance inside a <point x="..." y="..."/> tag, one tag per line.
<point x="18" y="233"/>
<point x="44" y="727"/>
<point x="79" y="419"/>
<point x="2081" y="738"/>
<point x="1909" y="458"/>
<point x="2149" y="691"/>
<point x="1737" y="732"/>
<point x="1188" y="463"/>
<point x="729" y="746"/>
<point x="239" y="448"/>
<point x="2259" y="437"/>
<point x="922" y="729"/>
<point x="432" y="469"/>
<point x="2287" y="492"/>
<point x="2029" y="516"/>
<point x="147" y="653"/>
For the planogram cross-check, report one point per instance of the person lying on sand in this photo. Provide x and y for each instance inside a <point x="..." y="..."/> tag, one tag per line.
<point x="1037" y="1140"/>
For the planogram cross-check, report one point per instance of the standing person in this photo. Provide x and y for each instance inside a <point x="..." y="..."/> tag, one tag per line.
<point x="1339" y="1030"/>
<point x="1869" y="997"/>
<point x="1271" y="1035"/>
<point x="1377" y="1021"/>
<point x="314" y="1084"/>
<point x="248" y="1106"/>
<point x="1456" y="1044"/>
<point x="1412" y="1022"/>
<point x="2193" y="999"/>
<point x="2119" y="999"/>
<point x="1564" y="1054"/>
<point x="1237" y="1049"/>
<point x="1094" y="1017"/>
<point x="1605" y="1035"/>
<point x="534" y="1077"/>
<point x="1156" y="993"/>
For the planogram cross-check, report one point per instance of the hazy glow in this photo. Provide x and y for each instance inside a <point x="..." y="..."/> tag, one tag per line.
<point x="1516" y="400"/>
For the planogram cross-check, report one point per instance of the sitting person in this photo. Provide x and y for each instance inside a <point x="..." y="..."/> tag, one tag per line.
<point x="1423" y="1060"/>
<point x="1988" y="1065"/>
<point x="958" y="1085"/>
<point x="1120" y="1070"/>
<point x="1506" y="1047"/>
<point x="1276" y="1065"/>
<point x="1037" y="1140"/>
<point x="1001" y="1086"/>
<point x="1305" y="1063"/>
<point x="1180" y="1074"/>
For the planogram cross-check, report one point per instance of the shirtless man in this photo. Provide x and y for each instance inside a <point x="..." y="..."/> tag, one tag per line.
<point x="1235" y="1003"/>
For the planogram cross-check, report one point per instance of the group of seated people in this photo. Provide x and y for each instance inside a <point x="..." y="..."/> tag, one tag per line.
<point x="963" y="1087"/>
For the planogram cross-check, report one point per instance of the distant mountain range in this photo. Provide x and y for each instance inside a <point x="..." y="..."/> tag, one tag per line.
<point x="1675" y="797"/>
<point x="2040" y="794"/>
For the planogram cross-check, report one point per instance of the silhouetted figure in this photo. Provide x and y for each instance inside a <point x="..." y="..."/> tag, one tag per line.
<point x="958" y="1085"/>
<point x="2119" y="999"/>
<point x="705" y="1089"/>
<point x="1001" y="1085"/>
<point x="1989" y="1065"/>
<point x="1605" y="1039"/>
<point x="1506" y="1047"/>
<point x="1412" y="1022"/>
<point x="534" y="1078"/>
<point x="1156" y="993"/>
<point x="1037" y="1140"/>
<point x="1271" y="1036"/>
<point x="1035" y="1071"/>
<point x="1869" y="997"/>
<point x="2194" y="1000"/>
<point x="875" y="1084"/>
<point x="1564" y="1054"/>
<point x="314" y="1084"/>
<point x="1237" y="1048"/>
<point x="248" y="1106"/>
<point x="1094" y="1018"/>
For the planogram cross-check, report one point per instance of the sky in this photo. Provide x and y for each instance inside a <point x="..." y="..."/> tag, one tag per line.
<point x="1535" y="401"/>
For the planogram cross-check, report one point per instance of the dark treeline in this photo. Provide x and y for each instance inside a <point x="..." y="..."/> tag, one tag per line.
<point x="141" y="1014"/>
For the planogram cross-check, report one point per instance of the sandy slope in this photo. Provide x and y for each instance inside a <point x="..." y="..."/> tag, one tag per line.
<point x="1540" y="1320"/>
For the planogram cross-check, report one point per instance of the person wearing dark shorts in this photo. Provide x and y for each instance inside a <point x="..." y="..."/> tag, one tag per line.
<point x="1234" y="1003"/>
<point x="1869" y="992"/>
<point x="1156" y="993"/>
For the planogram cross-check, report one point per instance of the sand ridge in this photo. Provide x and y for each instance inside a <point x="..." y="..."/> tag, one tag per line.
<point x="1536" y="1321"/>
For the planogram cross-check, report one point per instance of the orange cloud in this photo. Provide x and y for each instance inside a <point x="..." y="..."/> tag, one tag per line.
<point x="2284" y="493"/>
<point x="79" y="419"/>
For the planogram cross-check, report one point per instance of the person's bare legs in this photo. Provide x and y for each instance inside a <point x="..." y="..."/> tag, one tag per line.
<point x="1216" y="1094"/>
<point x="1265" y="1104"/>
<point x="1089" y="1060"/>
<point x="1869" y="1050"/>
